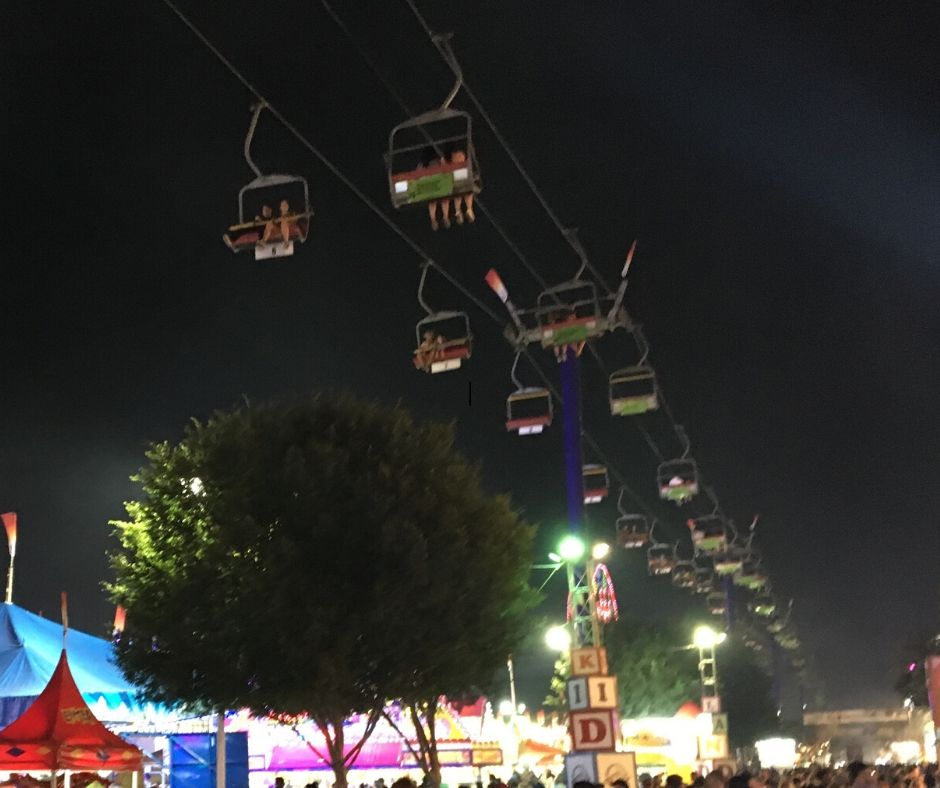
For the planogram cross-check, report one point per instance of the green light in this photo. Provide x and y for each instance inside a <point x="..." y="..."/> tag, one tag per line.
<point x="571" y="548"/>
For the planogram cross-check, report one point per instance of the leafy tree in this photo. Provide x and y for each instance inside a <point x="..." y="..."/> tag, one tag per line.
<point x="655" y="673"/>
<point x="557" y="699"/>
<point x="316" y="557"/>
<point x="746" y="694"/>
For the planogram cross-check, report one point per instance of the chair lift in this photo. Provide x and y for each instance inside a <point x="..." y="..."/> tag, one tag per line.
<point x="704" y="579"/>
<point x="729" y="562"/>
<point x="678" y="479"/>
<point x="569" y="314"/>
<point x="763" y="605"/>
<point x="269" y="221"/>
<point x="633" y="530"/>
<point x="528" y="409"/>
<point x="709" y="535"/>
<point x="444" y="339"/>
<point x="431" y="156"/>
<point x="778" y="622"/>
<point x="683" y="575"/>
<point x="633" y="391"/>
<point x="660" y="557"/>
<point x="596" y="483"/>
<point x="751" y="575"/>
<point x="716" y="603"/>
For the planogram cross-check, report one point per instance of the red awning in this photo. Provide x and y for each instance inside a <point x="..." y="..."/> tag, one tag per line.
<point x="59" y="731"/>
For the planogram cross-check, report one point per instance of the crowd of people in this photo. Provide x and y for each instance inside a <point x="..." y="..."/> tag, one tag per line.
<point x="851" y="775"/>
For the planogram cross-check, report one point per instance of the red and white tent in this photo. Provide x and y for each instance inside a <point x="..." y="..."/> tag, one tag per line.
<point x="58" y="732"/>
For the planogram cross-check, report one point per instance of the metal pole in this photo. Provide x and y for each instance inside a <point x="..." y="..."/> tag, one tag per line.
<point x="9" y="597"/>
<point x="729" y="601"/>
<point x="579" y="595"/>
<point x="220" y="749"/>
<point x="512" y="684"/>
<point x="708" y="672"/>
<point x="571" y="422"/>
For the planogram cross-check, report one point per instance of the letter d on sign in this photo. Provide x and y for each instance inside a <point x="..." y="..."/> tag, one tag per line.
<point x="592" y="730"/>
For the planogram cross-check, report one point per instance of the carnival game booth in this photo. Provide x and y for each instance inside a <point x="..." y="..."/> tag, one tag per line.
<point x="29" y="651"/>
<point x="59" y="735"/>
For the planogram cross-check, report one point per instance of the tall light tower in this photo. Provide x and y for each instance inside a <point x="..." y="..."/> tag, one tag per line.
<point x="705" y="639"/>
<point x="565" y="319"/>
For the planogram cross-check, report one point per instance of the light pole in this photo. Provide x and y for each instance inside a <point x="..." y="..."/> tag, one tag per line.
<point x="557" y="638"/>
<point x="585" y="625"/>
<point x="705" y="639"/>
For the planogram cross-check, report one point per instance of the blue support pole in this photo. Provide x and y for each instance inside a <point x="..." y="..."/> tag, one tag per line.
<point x="571" y="422"/>
<point x="584" y="626"/>
<point x="729" y="601"/>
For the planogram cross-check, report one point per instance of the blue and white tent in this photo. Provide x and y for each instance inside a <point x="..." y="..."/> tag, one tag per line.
<point x="30" y="647"/>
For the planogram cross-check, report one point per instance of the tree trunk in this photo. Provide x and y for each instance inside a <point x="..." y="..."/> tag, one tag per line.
<point x="335" y="744"/>
<point x="435" y="773"/>
<point x="427" y="741"/>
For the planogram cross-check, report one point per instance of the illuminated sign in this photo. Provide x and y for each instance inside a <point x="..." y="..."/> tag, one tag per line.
<point x="487" y="756"/>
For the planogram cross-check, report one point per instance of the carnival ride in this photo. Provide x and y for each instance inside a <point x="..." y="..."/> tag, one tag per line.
<point x="431" y="160"/>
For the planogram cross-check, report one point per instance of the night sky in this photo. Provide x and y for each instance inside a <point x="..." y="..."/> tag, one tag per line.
<point x="777" y="162"/>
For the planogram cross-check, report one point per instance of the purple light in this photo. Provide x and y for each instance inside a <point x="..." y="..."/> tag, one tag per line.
<point x="912" y="667"/>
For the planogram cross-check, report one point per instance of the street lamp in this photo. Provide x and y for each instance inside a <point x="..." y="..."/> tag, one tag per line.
<point x="571" y="549"/>
<point x="600" y="551"/>
<point x="705" y="639"/>
<point x="558" y="639"/>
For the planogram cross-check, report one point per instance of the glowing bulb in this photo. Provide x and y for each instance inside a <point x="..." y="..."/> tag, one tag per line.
<point x="600" y="551"/>
<point x="571" y="548"/>
<point x="558" y="639"/>
<point x="706" y="637"/>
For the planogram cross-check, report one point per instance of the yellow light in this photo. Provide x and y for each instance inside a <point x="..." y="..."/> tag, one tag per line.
<point x="505" y="708"/>
<point x="706" y="637"/>
<point x="558" y="639"/>
<point x="600" y="551"/>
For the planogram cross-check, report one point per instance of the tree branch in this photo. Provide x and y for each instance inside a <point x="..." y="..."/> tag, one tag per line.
<point x="374" y="715"/>
<point x="416" y="754"/>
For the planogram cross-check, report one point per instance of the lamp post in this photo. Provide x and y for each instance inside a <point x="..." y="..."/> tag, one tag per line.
<point x="585" y="626"/>
<point x="705" y="639"/>
<point x="557" y="638"/>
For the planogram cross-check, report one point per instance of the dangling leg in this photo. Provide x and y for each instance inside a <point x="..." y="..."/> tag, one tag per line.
<point x="445" y="212"/>
<point x="458" y="213"/>
<point x="285" y="232"/>
<point x="432" y="212"/>
<point x="269" y="230"/>
<point x="468" y="201"/>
